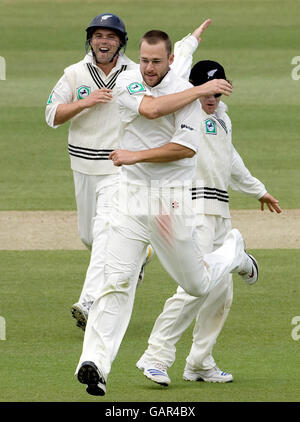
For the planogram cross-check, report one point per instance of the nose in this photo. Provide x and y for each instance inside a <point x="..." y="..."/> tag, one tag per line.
<point x="104" y="40"/>
<point x="149" y="66"/>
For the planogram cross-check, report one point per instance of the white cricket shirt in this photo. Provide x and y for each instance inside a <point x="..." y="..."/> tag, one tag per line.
<point x="139" y="133"/>
<point x="219" y="165"/>
<point x="93" y="133"/>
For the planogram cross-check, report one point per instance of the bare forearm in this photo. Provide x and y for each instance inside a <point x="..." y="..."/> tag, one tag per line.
<point x="164" y="154"/>
<point x="65" y="112"/>
<point x="154" y="107"/>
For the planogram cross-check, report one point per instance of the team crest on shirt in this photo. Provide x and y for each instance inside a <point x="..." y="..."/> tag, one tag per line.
<point x="83" y="92"/>
<point x="135" y="87"/>
<point x="210" y="127"/>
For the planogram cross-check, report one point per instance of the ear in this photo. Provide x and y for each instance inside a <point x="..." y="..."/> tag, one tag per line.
<point x="171" y="59"/>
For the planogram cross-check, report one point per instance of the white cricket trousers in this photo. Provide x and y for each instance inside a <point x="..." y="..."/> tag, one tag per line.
<point x="164" y="218"/>
<point x="86" y="200"/>
<point x="181" y="309"/>
<point x="95" y="192"/>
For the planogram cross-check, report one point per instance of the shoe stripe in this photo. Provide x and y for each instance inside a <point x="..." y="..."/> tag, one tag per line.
<point x="255" y="265"/>
<point x="156" y="372"/>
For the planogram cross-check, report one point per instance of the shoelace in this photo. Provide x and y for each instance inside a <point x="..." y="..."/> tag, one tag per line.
<point x="160" y="366"/>
<point x="220" y="371"/>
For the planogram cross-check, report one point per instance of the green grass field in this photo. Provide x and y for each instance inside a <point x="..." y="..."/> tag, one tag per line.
<point x="256" y="41"/>
<point x="39" y="357"/>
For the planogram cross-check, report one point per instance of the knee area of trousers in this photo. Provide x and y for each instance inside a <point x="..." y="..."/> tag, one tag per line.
<point x="120" y="282"/>
<point x="100" y="227"/>
<point x="196" y="290"/>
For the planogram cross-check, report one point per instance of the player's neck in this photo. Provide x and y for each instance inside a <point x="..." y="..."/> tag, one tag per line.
<point x="107" y="67"/>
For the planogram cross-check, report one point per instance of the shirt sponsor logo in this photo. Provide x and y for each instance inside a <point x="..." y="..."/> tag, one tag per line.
<point x="210" y="127"/>
<point x="186" y="127"/>
<point x="135" y="88"/>
<point x="83" y="92"/>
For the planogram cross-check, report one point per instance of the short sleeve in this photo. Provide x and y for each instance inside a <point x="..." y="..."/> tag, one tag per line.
<point x="130" y="93"/>
<point x="187" y="122"/>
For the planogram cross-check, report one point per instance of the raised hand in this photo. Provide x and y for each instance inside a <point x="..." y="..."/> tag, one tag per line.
<point x="198" y="31"/>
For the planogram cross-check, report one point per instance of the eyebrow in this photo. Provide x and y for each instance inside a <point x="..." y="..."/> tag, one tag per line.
<point x="104" y="33"/>
<point x="152" y="60"/>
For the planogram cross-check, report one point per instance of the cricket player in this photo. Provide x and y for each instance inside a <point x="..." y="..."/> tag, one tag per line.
<point x="158" y="159"/>
<point x="86" y="96"/>
<point x="218" y="167"/>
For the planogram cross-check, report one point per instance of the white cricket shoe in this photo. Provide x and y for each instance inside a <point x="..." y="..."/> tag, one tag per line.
<point x="149" y="256"/>
<point x="80" y="312"/>
<point x="246" y="264"/>
<point x="157" y="372"/>
<point x="210" y="375"/>
<point x="250" y="273"/>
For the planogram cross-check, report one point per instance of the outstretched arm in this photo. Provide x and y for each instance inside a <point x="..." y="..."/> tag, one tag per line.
<point x="242" y="180"/>
<point x="154" y="107"/>
<point x="184" y="50"/>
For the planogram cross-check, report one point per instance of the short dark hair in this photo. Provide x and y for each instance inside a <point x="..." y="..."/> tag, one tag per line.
<point x="155" y="36"/>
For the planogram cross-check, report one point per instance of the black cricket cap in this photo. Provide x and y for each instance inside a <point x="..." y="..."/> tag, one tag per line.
<point x="206" y="70"/>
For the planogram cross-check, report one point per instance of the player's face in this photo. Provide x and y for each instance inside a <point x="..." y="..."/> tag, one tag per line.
<point x="154" y="62"/>
<point x="105" y="44"/>
<point x="209" y="103"/>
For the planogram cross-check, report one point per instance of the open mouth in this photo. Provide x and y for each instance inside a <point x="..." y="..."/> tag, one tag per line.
<point x="104" y="50"/>
<point x="210" y="104"/>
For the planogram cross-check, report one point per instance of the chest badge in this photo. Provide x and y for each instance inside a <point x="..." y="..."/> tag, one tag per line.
<point x="83" y="92"/>
<point x="210" y="127"/>
<point x="135" y="88"/>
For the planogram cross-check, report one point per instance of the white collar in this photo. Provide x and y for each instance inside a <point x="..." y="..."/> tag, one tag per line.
<point x="122" y="60"/>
